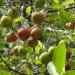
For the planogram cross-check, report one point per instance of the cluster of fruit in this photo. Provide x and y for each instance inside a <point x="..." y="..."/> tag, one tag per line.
<point x="68" y="56"/>
<point x="47" y="57"/>
<point x="30" y="35"/>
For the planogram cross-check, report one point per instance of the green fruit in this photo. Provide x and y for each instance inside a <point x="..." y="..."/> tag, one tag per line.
<point x="1" y="2"/>
<point x="12" y="12"/>
<point x="44" y="58"/>
<point x="6" y="21"/>
<point x="22" y="51"/>
<point x="39" y="3"/>
<point x="36" y="33"/>
<point x="51" y="51"/>
<point x="37" y="17"/>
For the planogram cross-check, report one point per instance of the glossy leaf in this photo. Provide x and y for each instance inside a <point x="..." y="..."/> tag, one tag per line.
<point x="71" y="72"/>
<point x="4" y="72"/>
<point x="57" y="1"/>
<point x="66" y="2"/>
<point x="59" y="56"/>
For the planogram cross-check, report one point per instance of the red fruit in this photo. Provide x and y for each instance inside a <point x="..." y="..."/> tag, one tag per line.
<point x="67" y="66"/>
<point x="23" y="33"/>
<point x="70" y="25"/>
<point x="11" y="37"/>
<point x="31" y="42"/>
<point x="68" y="54"/>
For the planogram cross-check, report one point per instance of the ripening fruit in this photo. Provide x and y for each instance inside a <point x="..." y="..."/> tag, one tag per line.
<point x="39" y="3"/>
<point x="12" y="12"/>
<point x="23" y="33"/>
<point x="68" y="54"/>
<point x="11" y="37"/>
<point x="6" y="21"/>
<point x="36" y="33"/>
<point x="70" y="25"/>
<point x="14" y="50"/>
<point x="67" y="66"/>
<point x="1" y="2"/>
<point x="31" y="42"/>
<point x="51" y="51"/>
<point x="37" y="17"/>
<point x="44" y="58"/>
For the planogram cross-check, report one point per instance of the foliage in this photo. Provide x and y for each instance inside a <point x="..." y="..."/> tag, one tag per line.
<point x="37" y="37"/>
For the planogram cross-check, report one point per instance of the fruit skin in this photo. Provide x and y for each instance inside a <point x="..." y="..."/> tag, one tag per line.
<point x="70" y="25"/>
<point x="23" y="33"/>
<point x="51" y="51"/>
<point x="12" y="12"/>
<point x="22" y="51"/>
<point x="1" y="2"/>
<point x="36" y="33"/>
<point x="39" y="3"/>
<point x="31" y="42"/>
<point x="11" y="37"/>
<point x="14" y="50"/>
<point x="67" y="66"/>
<point x="6" y="21"/>
<point x="37" y="17"/>
<point x="44" y="58"/>
<point x="68" y="54"/>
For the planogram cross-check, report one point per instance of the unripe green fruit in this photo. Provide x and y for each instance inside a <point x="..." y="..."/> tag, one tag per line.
<point x="31" y="42"/>
<point x="36" y="33"/>
<point x="39" y="3"/>
<point x="1" y="2"/>
<point x="37" y="17"/>
<point x="51" y="51"/>
<point x="22" y="51"/>
<point x="6" y="21"/>
<point x="12" y="12"/>
<point x="45" y="58"/>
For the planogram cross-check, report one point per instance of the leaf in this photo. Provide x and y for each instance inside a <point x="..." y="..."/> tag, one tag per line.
<point x="71" y="72"/>
<point x="28" y="9"/>
<point x="63" y="15"/>
<point x="59" y="56"/>
<point x="4" y="72"/>
<point x="51" y="69"/>
<point x="29" y="71"/>
<point x="67" y="2"/>
<point x="56" y="1"/>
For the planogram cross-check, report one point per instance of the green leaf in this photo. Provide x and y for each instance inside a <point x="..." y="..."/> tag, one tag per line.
<point x="57" y="1"/>
<point x="67" y="2"/>
<point x="59" y="56"/>
<point x="4" y="72"/>
<point x="29" y="71"/>
<point x="71" y="72"/>
<point x="51" y="69"/>
<point x="63" y="15"/>
<point x="28" y="9"/>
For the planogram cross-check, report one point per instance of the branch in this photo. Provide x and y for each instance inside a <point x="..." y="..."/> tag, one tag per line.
<point x="11" y="68"/>
<point x="56" y="10"/>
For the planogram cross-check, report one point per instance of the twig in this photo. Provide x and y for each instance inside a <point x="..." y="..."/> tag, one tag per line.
<point x="56" y="10"/>
<point x="11" y="68"/>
